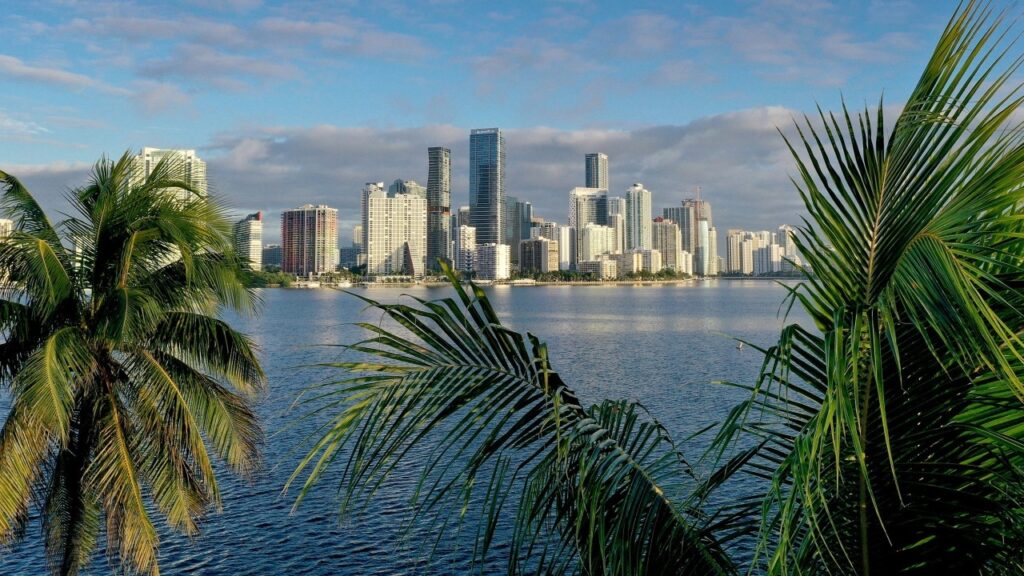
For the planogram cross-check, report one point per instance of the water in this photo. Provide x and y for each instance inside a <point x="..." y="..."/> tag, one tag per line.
<point x="662" y="345"/>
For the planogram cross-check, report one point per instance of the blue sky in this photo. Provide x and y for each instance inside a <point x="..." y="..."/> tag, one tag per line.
<point x="298" y="102"/>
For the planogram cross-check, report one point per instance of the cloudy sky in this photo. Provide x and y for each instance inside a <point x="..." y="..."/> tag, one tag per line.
<point x="298" y="102"/>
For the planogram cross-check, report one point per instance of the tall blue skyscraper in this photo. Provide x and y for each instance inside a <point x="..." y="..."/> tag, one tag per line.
<point x="487" y="185"/>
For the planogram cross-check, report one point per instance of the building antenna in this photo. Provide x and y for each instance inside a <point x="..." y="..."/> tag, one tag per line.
<point x="698" y="192"/>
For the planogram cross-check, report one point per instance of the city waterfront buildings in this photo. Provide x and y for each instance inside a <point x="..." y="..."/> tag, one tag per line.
<point x="439" y="203"/>
<point x="666" y="238"/>
<point x="604" y="268"/>
<point x="271" y="256"/>
<point x="596" y="240"/>
<point x="487" y="184"/>
<point x="586" y="206"/>
<point x="248" y="240"/>
<point x="309" y="240"/>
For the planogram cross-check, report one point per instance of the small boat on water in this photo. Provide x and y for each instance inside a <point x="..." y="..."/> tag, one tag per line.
<point x="739" y="346"/>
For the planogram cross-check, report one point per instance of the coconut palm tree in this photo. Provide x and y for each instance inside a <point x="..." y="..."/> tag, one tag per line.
<point x="888" y="438"/>
<point x="121" y="378"/>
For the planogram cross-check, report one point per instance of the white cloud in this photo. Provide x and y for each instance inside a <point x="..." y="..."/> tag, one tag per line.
<point x="12" y="67"/>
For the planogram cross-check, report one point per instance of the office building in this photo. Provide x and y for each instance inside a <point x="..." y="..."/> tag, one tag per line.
<point x="248" y="237"/>
<point x="547" y="230"/>
<point x="309" y="240"/>
<point x="487" y="185"/>
<point x="464" y="249"/>
<point x="597" y="171"/>
<point x="638" y="218"/>
<point x="396" y="233"/>
<point x="566" y="247"/>
<point x="492" y="261"/>
<point x="271" y="256"/>
<point x="617" y="223"/>
<point x="538" y="255"/>
<point x="439" y="205"/>
<point x="713" y="258"/>
<point x="519" y="219"/>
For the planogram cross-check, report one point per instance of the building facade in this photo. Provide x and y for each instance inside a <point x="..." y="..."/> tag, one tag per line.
<point x="309" y="240"/>
<point x="666" y="238"/>
<point x="586" y="206"/>
<point x="271" y="256"/>
<point x="248" y="240"/>
<point x="487" y="184"/>
<point x="439" y="205"/>
<point x="638" y="218"/>
<point x="192" y="168"/>
<point x="396" y="233"/>
<point x="538" y="255"/>
<point x="493" y="261"/>
<point x="464" y="250"/>
<point x="597" y="170"/>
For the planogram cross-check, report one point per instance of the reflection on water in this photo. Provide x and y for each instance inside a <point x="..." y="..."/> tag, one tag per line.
<point x="659" y="344"/>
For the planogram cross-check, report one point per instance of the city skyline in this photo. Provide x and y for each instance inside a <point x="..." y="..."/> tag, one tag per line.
<point x="290" y="111"/>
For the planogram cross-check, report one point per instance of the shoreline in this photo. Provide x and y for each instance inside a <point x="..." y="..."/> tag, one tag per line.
<point x="536" y="283"/>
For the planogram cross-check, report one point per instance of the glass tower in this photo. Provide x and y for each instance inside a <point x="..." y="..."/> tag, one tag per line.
<point x="487" y="185"/>
<point x="439" y="205"/>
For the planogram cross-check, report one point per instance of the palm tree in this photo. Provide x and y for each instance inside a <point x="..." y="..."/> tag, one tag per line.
<point x="890" y="439"/>
<point x="120" y="375"/>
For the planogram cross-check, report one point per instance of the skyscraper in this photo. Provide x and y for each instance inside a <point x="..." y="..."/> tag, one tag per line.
<point x="638" y="217"/>
<point x="464" y="253"/>
<point x="396" y="232"/>
<point x="271" y="256"/>
<point x="666" y="239"/>
<point x="400" y="186"/>
<point x="492" y="261"/>
<point x="309" y="240"/>
<point x="439" y="205"/>
<point x="193" y="168"/>
<point x="518" y="219"/>
<point x="597" y="170"/>
<point x="586" y="206"/>
<point x="6" y="227"/>
<point x="487" y="185"/>
<point x="248" y="236"/>
<point x="538" y="255"/>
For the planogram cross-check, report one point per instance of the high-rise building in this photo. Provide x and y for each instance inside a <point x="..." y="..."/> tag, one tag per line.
<point x="604" y="268"/>
<point x="617" y="205"/>
<point x="357" y="237"/>
<point x="713" y="258"/>
<point x="487" y="185"/>
<point x="492" y="261"/>
<point x="518" y="219"/>
<point x="439" y="205"/>
<point x="248" y="236"/>
<point x="192" y="167"/>
<point x="538" y="255"/>
<point x="617" y="222"/>
<point x="586" y="206"/>
<point x="396" y="233"/>
<point x="666" y="239"/>
<point x="309" y="240"/>
<point x="595" y="240"/>
<point x="685" y="216"/>
<point x="638" y="218"/>
<point x="462" y="217"/>
<point x="364" y="213"/>
<point x="271" y="256"/>
<point x="464" y="250"/>
<point x="400" y="186"/>
<point x="733" y="260"/>
<point x="6" y="227"/>
<point x="547" y="230"/>
<point x="597" y="170"/>
<point x="566" y="247"/>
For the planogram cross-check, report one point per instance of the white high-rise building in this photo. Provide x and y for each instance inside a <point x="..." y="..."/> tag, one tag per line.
<point x="586" y="206"/>
<point x="712" y="269"/>
<point x="396" y="233"/>
<point x="248" y="236"/>
<point x="493" y="261"/>
<point x="686" y="263"/>
<point x="566" y="247"/>
<point x="733" y="239"/>
<point x="547" y="230"/>
<point x="617" y="222"/>
<point x="617" y="205"/>
<point x="667" y="239"/>
<point x="538" y="255"/>
<point x="465" y="248"/>
<point x="6" y="227"/>
<point x="193" y="168"/>
<point x="638" y="218"/>
<point x="596" y="240"/>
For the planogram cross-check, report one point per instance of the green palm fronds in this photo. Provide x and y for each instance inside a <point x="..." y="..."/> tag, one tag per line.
<point x="121" y="376"/>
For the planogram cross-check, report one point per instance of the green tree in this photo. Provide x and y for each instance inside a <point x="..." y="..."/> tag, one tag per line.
<point x="120" y="375"/>
<point x="889" y="438"/>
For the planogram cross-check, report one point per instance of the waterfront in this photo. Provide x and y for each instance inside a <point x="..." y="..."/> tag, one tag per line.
<point x="662" y="344"/>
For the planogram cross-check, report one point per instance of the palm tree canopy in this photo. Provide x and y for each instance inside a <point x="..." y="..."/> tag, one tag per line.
<point x="121" y="376"/>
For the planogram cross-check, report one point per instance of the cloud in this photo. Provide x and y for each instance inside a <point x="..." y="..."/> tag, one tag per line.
<point x="14" y="126"/>
<point x="221" y="69"/>
<point x="12" y="67"/>
<point x="145" y="30"/>
<point x="153" y="97"/>
<point x="738" y="159"/>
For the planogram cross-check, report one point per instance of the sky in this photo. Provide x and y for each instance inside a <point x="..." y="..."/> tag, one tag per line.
<point x="303" y="102"/>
